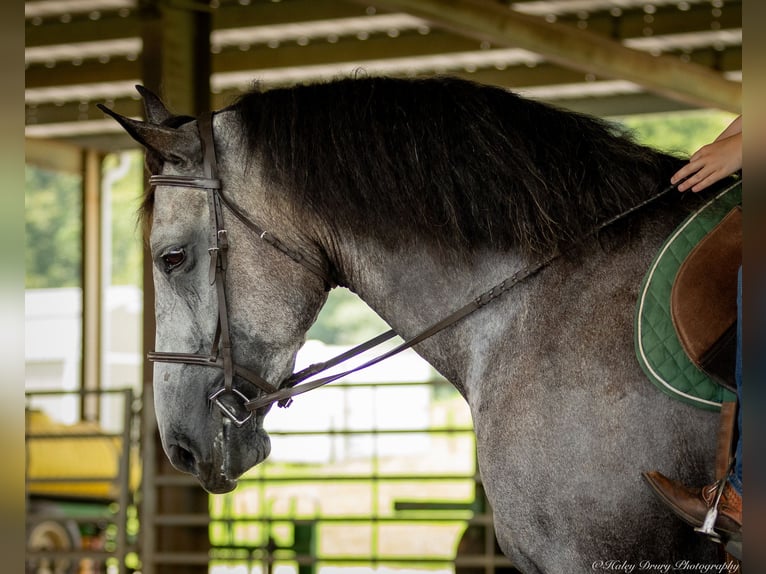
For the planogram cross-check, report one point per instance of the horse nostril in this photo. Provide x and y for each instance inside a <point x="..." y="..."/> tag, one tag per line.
<point x="182" y="459"/>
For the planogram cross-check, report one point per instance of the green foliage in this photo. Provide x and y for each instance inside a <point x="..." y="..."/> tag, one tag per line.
<point x="126" y="236"/>
<point x="345" y="319"/>
<point x="680" y="133"/>
<point x="53" y="203"/>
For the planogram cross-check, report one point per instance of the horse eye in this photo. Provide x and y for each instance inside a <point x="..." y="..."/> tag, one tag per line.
<point x="173" y="259"/>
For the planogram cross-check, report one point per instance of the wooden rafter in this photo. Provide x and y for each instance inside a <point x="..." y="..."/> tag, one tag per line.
<point x="579" y="49"/>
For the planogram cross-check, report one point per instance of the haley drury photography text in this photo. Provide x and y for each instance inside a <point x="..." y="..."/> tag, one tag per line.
<point x="660" y="568"/>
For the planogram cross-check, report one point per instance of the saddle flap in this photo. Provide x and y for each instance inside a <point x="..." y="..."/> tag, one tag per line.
<point x="703" y="299"/>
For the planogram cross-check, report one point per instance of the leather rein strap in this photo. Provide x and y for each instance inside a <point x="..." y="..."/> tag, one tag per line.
<point x="298" y="383"/>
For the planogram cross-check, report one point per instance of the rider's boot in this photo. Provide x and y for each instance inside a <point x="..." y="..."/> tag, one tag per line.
<point x="694" y="505"/>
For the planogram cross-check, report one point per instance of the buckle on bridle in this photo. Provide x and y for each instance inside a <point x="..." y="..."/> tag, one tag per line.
<point x="215" y="398"/>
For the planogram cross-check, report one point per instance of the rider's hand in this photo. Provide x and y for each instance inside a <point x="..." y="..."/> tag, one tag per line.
<point x="710" y="164"/>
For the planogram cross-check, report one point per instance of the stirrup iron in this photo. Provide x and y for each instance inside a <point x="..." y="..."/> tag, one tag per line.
<point x="712" y="515"/>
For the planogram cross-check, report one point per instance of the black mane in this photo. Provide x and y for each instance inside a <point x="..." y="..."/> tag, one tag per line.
<point x="458" y="163"/>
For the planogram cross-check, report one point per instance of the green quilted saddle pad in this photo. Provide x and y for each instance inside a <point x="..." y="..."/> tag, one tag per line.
<point x="658" y="349"/>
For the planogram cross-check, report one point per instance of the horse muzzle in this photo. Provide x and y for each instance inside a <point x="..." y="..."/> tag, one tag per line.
<point x="209" y="474"/>
<point x="216" y="483"/>
<point x="221" y="465"/>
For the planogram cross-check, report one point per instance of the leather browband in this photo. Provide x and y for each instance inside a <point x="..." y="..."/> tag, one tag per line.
<point x="184" y="181"/>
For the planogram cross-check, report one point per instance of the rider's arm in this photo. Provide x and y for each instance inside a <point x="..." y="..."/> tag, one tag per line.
<point x="714" y="161"/>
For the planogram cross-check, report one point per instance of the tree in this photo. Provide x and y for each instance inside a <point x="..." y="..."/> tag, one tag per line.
<point x="53" y="228"/>
<point x="680" y="133"/>
<point x="125" y="195"/>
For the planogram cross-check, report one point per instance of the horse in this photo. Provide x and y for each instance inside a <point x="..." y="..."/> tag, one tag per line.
<point x="418" y="195"/>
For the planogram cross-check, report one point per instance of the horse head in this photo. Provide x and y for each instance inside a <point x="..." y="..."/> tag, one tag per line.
<point x="218" y="345"/>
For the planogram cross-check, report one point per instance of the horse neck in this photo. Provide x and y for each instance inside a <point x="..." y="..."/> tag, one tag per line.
<point x="412" y="288"/>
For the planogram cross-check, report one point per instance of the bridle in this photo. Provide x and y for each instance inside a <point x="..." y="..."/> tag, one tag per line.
<point x="220" y="355"/>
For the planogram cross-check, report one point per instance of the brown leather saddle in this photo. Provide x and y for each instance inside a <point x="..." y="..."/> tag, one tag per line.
<point x="704" y="300"/>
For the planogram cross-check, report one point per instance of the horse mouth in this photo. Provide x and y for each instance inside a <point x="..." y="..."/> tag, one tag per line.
<point x="211" y="476"/>
<point x="219" y="484"/>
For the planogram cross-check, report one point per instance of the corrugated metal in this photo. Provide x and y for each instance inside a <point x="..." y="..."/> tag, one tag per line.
<point x="81" y="52"/>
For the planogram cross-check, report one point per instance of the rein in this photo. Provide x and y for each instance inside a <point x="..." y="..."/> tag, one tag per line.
<point x="221" y="355"/>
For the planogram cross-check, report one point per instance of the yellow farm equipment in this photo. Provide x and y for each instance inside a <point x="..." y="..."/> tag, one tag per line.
<point x="80" y="486"/>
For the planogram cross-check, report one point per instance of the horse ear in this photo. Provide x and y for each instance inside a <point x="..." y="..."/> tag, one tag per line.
<point x="177" y="146"/>
<point x="156" y="112"/>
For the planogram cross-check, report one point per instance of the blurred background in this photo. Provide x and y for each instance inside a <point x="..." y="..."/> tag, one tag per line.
<point x="375" y="473"/>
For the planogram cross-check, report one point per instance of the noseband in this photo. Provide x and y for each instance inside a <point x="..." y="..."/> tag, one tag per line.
<point x="221" y="354"/>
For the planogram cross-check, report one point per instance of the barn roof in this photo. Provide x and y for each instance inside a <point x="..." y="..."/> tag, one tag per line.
<point x="607" y="58"/>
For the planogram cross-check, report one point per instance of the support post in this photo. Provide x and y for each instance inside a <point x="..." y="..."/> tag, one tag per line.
<point x="92" y="286"/>
<point x="176" y="66"/>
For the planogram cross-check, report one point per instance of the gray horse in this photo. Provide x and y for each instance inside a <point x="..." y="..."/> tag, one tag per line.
<point x="418" y="195"/>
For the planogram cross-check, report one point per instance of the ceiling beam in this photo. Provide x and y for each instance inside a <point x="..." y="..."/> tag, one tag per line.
<point x="112" y="25"/>
<point x="378" y="46"/>
<point x="91" y="71"/>
<point x="621" y="105"/>
<point x="81" y="29"/>
<point x="274" y="13"/>
<point x="53" y="155"/>
<point x="632" y="23"/>
<point x="568" y="46"/>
